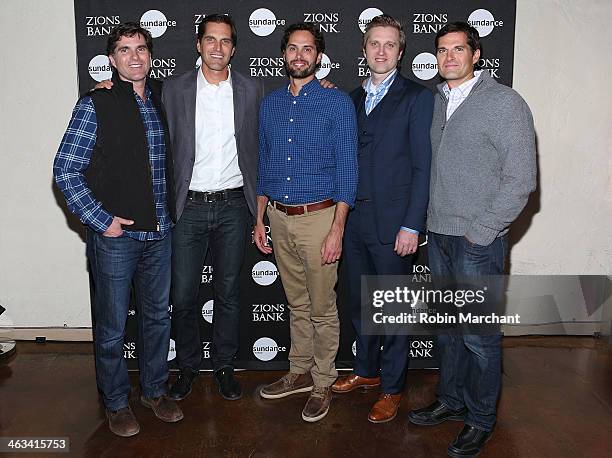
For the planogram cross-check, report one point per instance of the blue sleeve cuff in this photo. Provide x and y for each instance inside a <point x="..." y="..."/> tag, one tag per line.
<point x="407" y="229"/>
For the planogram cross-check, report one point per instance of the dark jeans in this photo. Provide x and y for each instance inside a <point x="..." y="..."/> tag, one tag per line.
<point x="470" y="365"/>
<point x="115" y="265"/>
<point x="220" y="227"/>
<point x="365" y="255"/>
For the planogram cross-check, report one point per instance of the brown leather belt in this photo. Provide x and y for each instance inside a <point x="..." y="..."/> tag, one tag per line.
<point x="292" y="210"/>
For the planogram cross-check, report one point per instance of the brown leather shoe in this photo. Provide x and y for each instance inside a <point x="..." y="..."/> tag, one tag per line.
<point x="122" y="422"/>
<point x="385" y="408"/>
<point x="164" y="408"/>
<point x="288" y="384"/>
<point x="352" y="382"/>
<point x="317" y="405"/>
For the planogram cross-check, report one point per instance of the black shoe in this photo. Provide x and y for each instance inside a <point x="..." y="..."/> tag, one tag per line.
<point x="469" y="442"/>
<point x="435" y="414"/>
<point x="182" y="387"/>
<point x="228" y="385"/>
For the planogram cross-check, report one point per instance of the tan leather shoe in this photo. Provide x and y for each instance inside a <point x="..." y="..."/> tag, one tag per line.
<point x="122" y="422"/>
<point x="385" y="408"/>
<point x="287" y="385"/>
<point x="352" y="382"/>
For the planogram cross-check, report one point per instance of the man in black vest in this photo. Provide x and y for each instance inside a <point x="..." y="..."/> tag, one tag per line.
<point x="112" y="168"/>
<point x="394" y="117"/>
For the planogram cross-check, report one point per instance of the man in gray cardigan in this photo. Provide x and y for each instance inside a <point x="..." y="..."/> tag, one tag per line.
<point x="483" y="170"/>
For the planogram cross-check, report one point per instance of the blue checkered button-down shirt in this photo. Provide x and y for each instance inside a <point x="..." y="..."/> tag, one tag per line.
<point x="307" y="146"/>
<point x="74" y="156"/>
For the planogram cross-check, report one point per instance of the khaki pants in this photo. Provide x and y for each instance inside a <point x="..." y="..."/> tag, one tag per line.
<point x="309" y="287"/>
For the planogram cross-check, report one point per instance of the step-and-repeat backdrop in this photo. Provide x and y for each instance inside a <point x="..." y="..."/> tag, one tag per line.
<point x="264" y="324"/>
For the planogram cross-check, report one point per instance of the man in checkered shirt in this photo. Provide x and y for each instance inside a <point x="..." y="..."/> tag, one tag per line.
<point x="111" y="167"/>
<point x="307" y="181"/>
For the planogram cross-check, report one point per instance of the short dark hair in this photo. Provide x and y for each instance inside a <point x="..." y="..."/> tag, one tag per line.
<point x="384" y="20"/>
<point x="218" y="19"/>
<point x="308" y="27"/>
<point x="127" y="29"/>
<point x="473" y="39"/>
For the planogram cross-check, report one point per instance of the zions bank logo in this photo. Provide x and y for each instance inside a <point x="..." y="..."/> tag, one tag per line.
<point x="425" y="66"/>
<point x="100" y="25"/>
<point x="266" y="67"/>
<point x="263" y="22"/>
<point x="326" y="66"/>
<point x="483" y="21"/>
<point x="207" y="311"/>
<point x="129" y="350"/>
<point x="264" y="273"/>
<point x="171" y="350"/>
<point x="266" y="349"/>
<point x="428" y="22"/>
<point x="421" y="349"/>
<point x="268" y="312"/>
<point x="207" y="274"/>
<point x="366" y="16"/>
<point x="156" y="22"/>
<point x="162" y="67"/>
<point x="492" y="65"/>
<point x="327" y="22"/>
<point x="99" y="68"/>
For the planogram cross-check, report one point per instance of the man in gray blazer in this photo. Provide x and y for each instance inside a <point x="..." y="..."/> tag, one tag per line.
<point x="213" y="121"/>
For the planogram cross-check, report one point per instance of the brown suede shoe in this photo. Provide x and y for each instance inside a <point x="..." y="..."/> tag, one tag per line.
<point x="317" y="405"/>
<point x="385" y="408"/>
<point x="352" y="382"/>
<point x="122" y="422"/>
<point x="288" y="384"/>
<point x="164" y="408"/>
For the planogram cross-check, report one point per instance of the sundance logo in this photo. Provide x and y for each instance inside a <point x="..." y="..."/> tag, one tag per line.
<point x="171" y="350"/>
<point x="156" y="23"/>
<point x="99" y="68"/>
<point x="265" y="349"/>
<point x="326" y="67"/>
<point x="366" y="16"/>
<point x="483" y="21"/>
<point x="262" y="22"/>
<point x="425" y="66"/>
<point x="207" y="311"/>
<point x="264" y="273"/>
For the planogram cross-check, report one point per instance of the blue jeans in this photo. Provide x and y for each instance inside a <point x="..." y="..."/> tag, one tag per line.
<point x="117" y="264"/>
<point x="470" y="365"/>
<point x="220" y="227"/>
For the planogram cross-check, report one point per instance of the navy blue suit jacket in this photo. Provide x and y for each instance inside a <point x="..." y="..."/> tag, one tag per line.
<point x="402" y="157"/>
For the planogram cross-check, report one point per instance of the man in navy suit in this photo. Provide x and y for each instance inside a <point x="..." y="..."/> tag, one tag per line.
<point x="394" y="118"/>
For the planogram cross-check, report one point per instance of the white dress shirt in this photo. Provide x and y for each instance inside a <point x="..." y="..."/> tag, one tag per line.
<point x="216" y="156"/>
<point x="458" y="94"/>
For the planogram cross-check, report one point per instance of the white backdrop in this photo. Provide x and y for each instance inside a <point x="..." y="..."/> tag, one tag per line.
<point x="562" y="69"/>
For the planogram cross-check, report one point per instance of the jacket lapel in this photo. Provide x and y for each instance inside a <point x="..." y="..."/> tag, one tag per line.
<point x="238" y="91"/>
<point x="189" y="102"/>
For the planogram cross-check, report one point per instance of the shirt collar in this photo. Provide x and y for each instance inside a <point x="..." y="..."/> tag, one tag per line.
<point x="464" y="88"/>
<point x="203" y="82"/>
<point x="312" y="86"/>
<point x="373" y="90"/>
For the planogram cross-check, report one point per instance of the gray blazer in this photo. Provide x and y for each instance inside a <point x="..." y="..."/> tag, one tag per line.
<point x="179" y="99"/>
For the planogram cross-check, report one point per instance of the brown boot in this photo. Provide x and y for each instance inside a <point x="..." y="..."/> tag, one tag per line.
<point x="317" y="405"/>
<point x="122" y="422"/>
<point x="385" y="408"/>
<point x="288" y="384"/>
<point x="353" y="381"/>
<point x="164" y="408"/>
